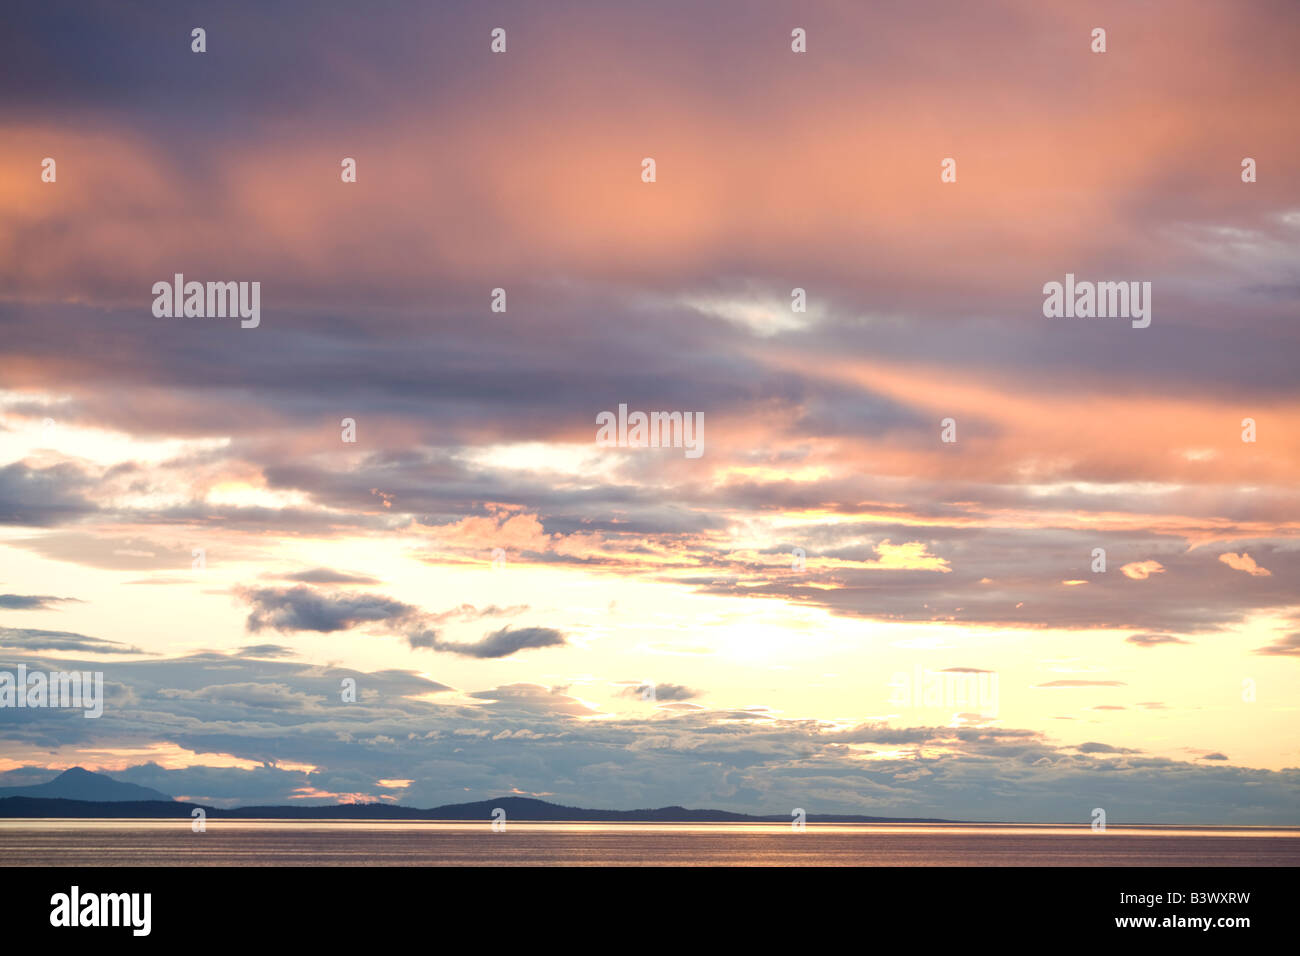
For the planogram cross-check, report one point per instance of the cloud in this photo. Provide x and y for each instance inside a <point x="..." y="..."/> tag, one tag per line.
<point x="329" y="576"/>
<point x="500" y="643"/>
<point x="534" y="698"/>
<point x="468" y="612"/>
<point x="303" y="609"/>
<point x="265" y="650"/>
<point x="824" y="431"/>
<point x="30" y="639"/>
<point x="270" y="695"/>
<point x="30" y="602"/>
<point x="1096" y="748"/>
<point x="43" y="496"/>
<point x="110" y="551"/>
<point x="267" y="729"/>
<point x="1288" y="646"/>
<point x="1152" y="640"/>
<point x="1244" y="562"/>
<point x="662" y="692"/>
<point x="1141" y="570"/>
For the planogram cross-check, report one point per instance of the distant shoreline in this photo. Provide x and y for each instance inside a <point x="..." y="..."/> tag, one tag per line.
<point x="953" y="826"/>
<point x="520" y="809"/>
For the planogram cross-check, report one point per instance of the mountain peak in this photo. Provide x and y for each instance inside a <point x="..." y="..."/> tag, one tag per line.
<point x="78" y="783"/>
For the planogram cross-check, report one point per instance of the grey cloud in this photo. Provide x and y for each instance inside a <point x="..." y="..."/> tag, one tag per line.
<point x="30" y="602"/>
<point x="1152" y="640"/>
<point x="662" y="692"/>
<point x="251" y="694"/>
<point x="500" y="643"/>
<point x="329" y="576"/>
<point x="1096" y="748"/>
<point x="534" y="699"/>
<point x="43" y="496"/>
<point x="303" y="609"/>
<point x="31" y="639"/>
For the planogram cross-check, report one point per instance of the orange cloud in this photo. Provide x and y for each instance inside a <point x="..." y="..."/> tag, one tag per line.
<point x="1141" y="570"/>
<point x="1244" y="562"/>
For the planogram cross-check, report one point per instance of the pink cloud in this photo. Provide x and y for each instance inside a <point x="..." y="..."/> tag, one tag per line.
<point x="1244" y="562"/>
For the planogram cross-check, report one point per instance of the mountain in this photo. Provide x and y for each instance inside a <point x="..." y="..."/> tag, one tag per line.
<point x="516" y="808"/>
<point x="79" y="784"/>
<point x="43" y="808"/>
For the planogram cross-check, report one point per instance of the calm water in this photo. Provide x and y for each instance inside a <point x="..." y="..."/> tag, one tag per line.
<point x="302" y="843"/>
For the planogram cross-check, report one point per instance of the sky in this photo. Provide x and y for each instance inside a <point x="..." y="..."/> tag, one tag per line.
<point x="876" y="590"/>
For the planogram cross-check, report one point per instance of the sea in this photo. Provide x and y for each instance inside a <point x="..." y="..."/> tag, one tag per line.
<point x="269" y="843"/>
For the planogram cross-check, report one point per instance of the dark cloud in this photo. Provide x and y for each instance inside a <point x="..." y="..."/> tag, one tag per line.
<point x="303" y="609"/>
<point x="500" y="643"/>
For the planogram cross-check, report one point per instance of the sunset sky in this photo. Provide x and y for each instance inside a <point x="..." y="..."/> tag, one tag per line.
<point x="1165" y="689"/>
